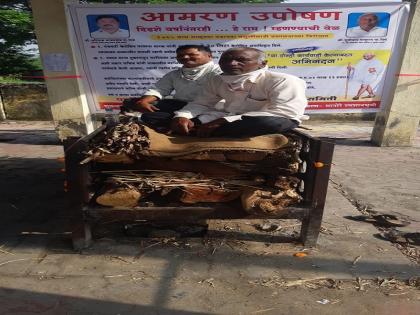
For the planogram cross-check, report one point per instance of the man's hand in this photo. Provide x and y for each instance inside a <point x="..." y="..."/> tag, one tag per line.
<point x="182" y="125"/>
<point x="145" y="104"/>
<point x="206" y="130"/>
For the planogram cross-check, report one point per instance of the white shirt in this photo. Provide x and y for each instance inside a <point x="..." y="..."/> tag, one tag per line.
<point x="357" y="31"/>
<point x="121" y="33"/>
<point x="368" y="71"/>
<point x="185" y="89"/>
<point x="269" y="94"/>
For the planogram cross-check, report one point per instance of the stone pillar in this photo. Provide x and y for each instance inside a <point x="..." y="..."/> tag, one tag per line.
<point x="397" y="123"/>
<point x="69" y="107"/>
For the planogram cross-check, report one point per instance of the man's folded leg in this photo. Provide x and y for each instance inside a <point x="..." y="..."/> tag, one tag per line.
<point x="170" y="105"/>
<point x="162" y="118"/>
<point x="252" y="126"/>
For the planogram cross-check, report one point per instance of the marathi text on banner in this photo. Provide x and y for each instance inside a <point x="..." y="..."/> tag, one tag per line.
<point x="327" y="47"/>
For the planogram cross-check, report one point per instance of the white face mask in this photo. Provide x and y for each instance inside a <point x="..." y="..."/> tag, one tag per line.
<point x="237" y="82"/>
<point x="195" y="73"/>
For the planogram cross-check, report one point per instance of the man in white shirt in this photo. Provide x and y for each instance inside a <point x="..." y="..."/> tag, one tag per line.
<point x="109" y="27"/>
<point x="257" y="101"/>
<point x="368" y="73"/>
<point x="368" y="27"/>
<point x="186" y="82"/>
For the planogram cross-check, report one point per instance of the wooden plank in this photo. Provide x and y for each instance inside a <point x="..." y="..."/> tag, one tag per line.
<point x="93" y="134"/>
<point x="185" y="213"/>
<point x="209" y="168"/>
<point x="309" y="175"/>
<point x="81" y="235"/>
<point x="77" y="177"/>
<point x="312" y="223"/>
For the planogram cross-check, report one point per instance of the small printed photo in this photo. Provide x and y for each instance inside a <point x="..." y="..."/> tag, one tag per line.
<point x="368" y="24"/>
<point x="105" y="26"/>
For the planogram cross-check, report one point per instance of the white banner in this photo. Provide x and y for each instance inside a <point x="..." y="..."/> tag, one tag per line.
<point x="342" y="51"/>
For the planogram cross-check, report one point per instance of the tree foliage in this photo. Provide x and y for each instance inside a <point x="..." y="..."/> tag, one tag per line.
<point x="16" y="32"/>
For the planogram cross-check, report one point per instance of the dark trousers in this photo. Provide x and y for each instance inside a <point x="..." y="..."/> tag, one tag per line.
<point x="252" y="126"/>
<point x="161" y="119"/>
<point x="248" y="126"/>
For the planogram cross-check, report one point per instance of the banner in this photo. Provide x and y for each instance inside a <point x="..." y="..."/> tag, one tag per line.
<point x="342" y="51"/>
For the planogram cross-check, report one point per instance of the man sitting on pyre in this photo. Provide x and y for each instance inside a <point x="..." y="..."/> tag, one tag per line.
<point x="186" y="82"/>
<point x="257" y="101"/>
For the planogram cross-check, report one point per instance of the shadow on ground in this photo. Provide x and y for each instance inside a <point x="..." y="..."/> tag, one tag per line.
<point x="29" y="302"/>
<point x="35" y="137"/>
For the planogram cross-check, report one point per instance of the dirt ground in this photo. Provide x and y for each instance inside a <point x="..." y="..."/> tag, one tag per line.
<point x="234" y="269"/>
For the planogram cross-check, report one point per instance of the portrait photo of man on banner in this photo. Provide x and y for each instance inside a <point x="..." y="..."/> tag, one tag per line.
<point x="108" y="26"/>
<point x="367" y="24"/>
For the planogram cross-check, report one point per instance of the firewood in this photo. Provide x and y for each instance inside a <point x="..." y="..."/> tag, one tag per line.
<point x="286" y="182"/>
<point x="119" y="197"/>
<point x="207" y="156"/>
<point x="208" y="168"/>
<point x="123" y="139"/>
<point x="195" y="194"/>
<point x="245" y="156"/>
<point x="115" y="158"/>
<point x="255" y="201"/>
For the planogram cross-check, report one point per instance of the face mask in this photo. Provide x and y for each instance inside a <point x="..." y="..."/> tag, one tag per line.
<point x="193" y="74"/>
<point x="237" y="82"/>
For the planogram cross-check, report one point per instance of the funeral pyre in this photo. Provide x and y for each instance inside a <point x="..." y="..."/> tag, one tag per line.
<point x="262" y="182"/>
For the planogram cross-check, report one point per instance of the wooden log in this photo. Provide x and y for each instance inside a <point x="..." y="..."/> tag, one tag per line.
<point x="208" y="168"/>
<point x="195" y="194"/>
<point x="119" y="197"/>
<point x="262" y="202"/>
<point x="245" y="156"/>
<point x="286" y="182"/>
<point x="217" y="155"/>
<point x="206" y="156"/>
<point x="114" y="158"/>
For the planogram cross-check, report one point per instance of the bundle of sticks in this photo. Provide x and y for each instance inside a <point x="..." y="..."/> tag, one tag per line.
<point x="129" y="139"/>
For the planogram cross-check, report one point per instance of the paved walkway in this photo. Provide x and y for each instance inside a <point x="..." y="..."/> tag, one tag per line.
<point x="40" y="274"/>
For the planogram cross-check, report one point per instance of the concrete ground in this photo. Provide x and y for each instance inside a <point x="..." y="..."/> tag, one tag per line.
<point x="350" y="271"/>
